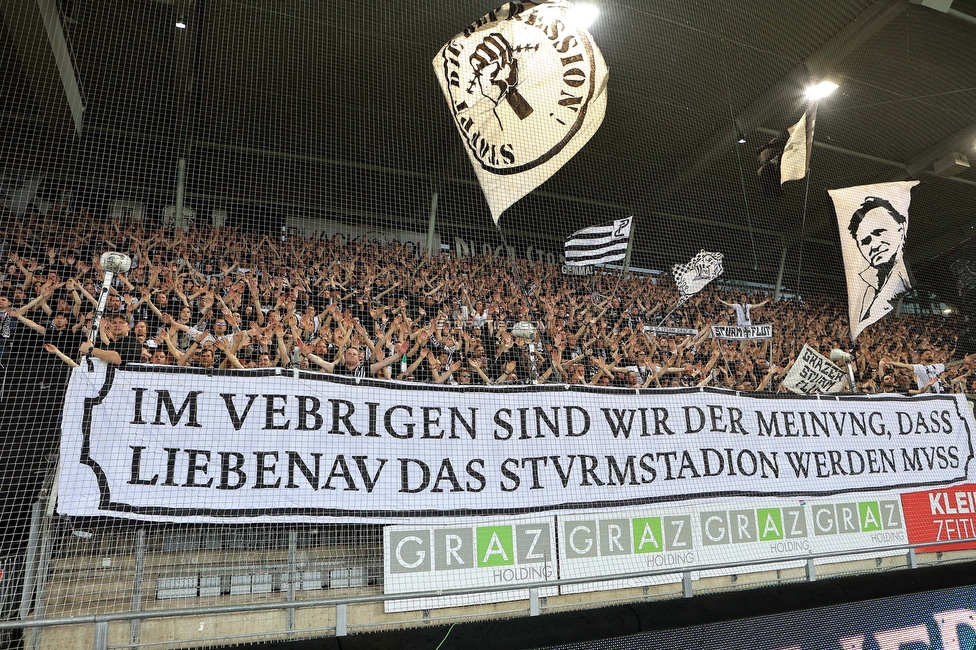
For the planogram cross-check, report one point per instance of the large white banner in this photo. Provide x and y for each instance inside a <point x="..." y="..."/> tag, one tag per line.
<point x="526" y="86"/>
<point x="272" y="445"/>
<point x="873" y="225"/>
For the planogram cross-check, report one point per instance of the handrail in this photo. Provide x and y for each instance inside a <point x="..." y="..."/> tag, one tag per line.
<point x="352" y="600"/>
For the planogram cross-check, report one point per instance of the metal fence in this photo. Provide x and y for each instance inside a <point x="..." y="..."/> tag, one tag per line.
<point x="37" y="582"/>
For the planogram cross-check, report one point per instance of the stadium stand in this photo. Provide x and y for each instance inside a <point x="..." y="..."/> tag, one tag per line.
<point x="334" y="392"/>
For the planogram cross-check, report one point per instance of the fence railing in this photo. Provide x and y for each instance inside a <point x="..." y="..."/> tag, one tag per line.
<point x="102" y="621"/>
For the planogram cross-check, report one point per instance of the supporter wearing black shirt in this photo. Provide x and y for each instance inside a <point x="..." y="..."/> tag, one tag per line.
<point x="63" y="338"/>
<point x="360" y="310"/>
<point x="34" y="372"/>
<point x="123" y="348"/>
<point x="33" y="387"/>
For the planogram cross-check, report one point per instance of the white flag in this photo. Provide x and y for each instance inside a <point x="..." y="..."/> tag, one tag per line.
<point x="795" y="161"/>
<point x="873" y="225"/>
<point x="812" y="373"/>
<point x="693" y="276"/>
<point x="526" y="90"/>
<point x="599" y="244"/>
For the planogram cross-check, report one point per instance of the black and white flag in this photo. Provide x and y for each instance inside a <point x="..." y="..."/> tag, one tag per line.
<point x="813" y="373"/>
<point x="873" y="225"/>
<point x="787" y="156"/>
<point x="527" y="89"/>
<point x="795" y="161"/>
<point x="693" y="276"/>
<point x="599" y="244"/>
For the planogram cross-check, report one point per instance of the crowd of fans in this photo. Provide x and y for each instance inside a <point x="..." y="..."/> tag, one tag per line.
<point x="225" y="299"/>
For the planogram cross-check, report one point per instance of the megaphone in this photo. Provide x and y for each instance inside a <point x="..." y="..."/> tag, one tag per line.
<point x="525" y="330"/>
<point x="839" y="356"/>
<point x="113" y="262"/>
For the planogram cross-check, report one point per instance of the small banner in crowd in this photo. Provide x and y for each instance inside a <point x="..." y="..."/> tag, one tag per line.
<point x="599" y="244"/>
<point x="873" y="224"/>
<point x="526" y="89"/>
<point x="670" y="331"/>
<point x="742" y="332"/>
<point x="578" y="270"/>
<point x="812" y="372"/>
<point x="693" y="276"/>
<point x="795" y="161"/>
<point x="264" y="445"/>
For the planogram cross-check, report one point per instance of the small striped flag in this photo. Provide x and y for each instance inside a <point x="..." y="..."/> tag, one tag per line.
<point x="599" y="244"/>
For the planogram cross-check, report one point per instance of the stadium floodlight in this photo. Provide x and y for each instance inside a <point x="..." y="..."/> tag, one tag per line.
<point x="820" y="90"/>
<point x="112" y="263"/>
<point x="582" y="15"/>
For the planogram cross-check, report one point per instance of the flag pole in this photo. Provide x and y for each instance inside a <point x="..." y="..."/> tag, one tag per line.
<point x="626" y="263"/>
<point x="681" y="301"/>
<point x="525" y="294"/>
<point x="803" y="224"/>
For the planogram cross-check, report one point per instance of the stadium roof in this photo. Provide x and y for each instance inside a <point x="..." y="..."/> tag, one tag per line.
<point x="333" y="107"/>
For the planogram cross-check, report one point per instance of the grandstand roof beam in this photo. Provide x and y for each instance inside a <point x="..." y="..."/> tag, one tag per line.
<point x="817" y="64"/>
<point x="964" y="141"/>
<point x="50" y="71"/>
<point x="905" y="167"/>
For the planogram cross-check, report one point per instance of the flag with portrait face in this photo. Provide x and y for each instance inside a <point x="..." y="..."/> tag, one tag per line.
<point x="873" y="225"/>
<point x="526" y="89"/>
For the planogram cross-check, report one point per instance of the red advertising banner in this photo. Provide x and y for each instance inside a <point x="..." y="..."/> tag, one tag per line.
<point x="941" y="515"/>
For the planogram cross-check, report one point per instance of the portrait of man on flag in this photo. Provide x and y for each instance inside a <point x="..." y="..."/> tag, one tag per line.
<point x="873" y="225"/>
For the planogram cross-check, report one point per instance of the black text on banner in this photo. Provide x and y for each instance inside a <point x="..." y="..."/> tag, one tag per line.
<point x="254" y="446"/>
<point x="742" y="332"/>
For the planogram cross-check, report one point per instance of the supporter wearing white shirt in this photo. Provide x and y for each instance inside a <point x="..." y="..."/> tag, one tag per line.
<point x="743" y="310"/>
<point x="928" y="375"/>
